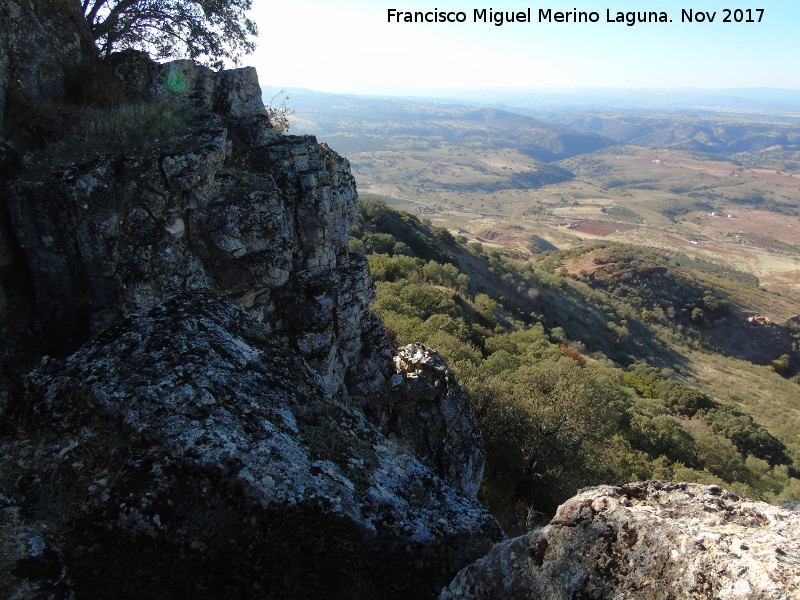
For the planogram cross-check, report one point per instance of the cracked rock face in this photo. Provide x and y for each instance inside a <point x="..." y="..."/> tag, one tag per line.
<point x="432" y="415"/>
<point x="646" y="541"/>
<point x="186" y="452"/>
<point x="230" y="205"/>
<point x="218" y="420"/>
<point x="40" y="42"/>
<point x="233" y="92"/>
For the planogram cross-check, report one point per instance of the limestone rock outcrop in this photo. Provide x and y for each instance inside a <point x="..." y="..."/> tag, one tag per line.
<point x="213" y="411"/>
<point x="431" y="414"/>
<point x="41" y="41"/>
<point x="646" y="541"/>
<point x="234" y="92"/>
<point x="187" y="449"/>
<point x="230" y="205"/>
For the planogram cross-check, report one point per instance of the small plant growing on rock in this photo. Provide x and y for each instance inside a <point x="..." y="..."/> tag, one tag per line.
<point x="279" y="113"/>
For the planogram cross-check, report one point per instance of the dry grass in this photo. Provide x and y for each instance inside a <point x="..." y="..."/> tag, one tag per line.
<point x="771" y="400"/>
<point x="129" y="124"/>
<point x="60" y="133"/>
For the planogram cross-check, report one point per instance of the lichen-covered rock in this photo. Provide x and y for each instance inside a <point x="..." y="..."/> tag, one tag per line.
<point x="31" y="566"/>
<point x="433" y="416"/>
<point x="41" y="41"/>
<point x="233" y="92"/>
<point x="646" y="541"/>
<point x="187" y="453"/>
<point x="230" y="205"/>
<point x="215" y="444"/>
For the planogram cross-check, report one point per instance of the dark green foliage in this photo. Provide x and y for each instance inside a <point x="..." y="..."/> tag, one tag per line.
<point x="541" y="429"/>
<point x="646" y="280"/>
<point x="782" y="364"/>
<point x="381" y="228"/>
<point x="392" y="268"/>
<point x="698" y="316"/>
<point x="379" y="243"/>
<point x="662" y="435"/>
<point x="530" y="347"/>
<point x="748" y="437"/>
<point x="205" y="31"/>
<point x="681" y="399"/>
<point x="427" y="301"/>
<point x="676" y="397"/>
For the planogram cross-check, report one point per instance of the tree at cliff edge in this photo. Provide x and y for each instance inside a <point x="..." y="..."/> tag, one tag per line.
<point x="208" y="31"/>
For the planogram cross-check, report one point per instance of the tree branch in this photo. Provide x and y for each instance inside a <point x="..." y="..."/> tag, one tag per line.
<point x="98" y="4"/>
<point x="110" y="22"/>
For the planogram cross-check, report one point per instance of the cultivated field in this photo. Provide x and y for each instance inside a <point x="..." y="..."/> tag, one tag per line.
<point x="495" y="177"/>
<point x="745" y="218"/>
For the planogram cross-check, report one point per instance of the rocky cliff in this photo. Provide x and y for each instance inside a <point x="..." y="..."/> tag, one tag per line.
<point x="195" y="400"/>
<point x="215" y="411"/>
<point x="41" y="42"/>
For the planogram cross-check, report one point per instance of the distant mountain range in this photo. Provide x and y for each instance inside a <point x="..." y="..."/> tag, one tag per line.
<point x="358" y="122"/>
<point x="553" y="125"/>
<point x="770" y="100"/>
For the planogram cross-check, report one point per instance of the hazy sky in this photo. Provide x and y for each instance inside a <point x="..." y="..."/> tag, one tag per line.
<point x="348" y="46"/>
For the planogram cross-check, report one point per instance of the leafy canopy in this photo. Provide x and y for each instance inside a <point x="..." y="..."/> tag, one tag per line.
<point x="207" y="31"/>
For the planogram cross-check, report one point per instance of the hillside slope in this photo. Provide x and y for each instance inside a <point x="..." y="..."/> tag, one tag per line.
<point x="595" y="365"/>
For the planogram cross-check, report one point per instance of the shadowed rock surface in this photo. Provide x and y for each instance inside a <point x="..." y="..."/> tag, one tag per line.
<point x="648" y="541"/>
<point x="431" y="414"/>
<point x="186" y="453"/>
<point x="230" y="205"/>
<point x="196" y="426"/>
<point x="216" y="413"/>
<point x="41" y="42"/>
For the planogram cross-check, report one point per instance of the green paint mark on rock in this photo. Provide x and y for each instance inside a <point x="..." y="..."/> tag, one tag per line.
<point x="174" y="80"/>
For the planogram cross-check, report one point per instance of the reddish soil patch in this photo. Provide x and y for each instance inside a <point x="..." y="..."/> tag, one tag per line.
<point x="585" y="263"/>
<point x="788" y="275"/>
<point x="676" y="239"/>
<point x="601" y="228"/>
<point x="722" y="169"/>
<point x="759" y="222"/>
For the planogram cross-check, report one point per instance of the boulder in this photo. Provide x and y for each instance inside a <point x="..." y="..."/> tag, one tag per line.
<point x="649" y="541"/>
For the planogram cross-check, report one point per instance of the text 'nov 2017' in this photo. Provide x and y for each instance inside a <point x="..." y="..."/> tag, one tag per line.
<point x="575" y="16"/>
